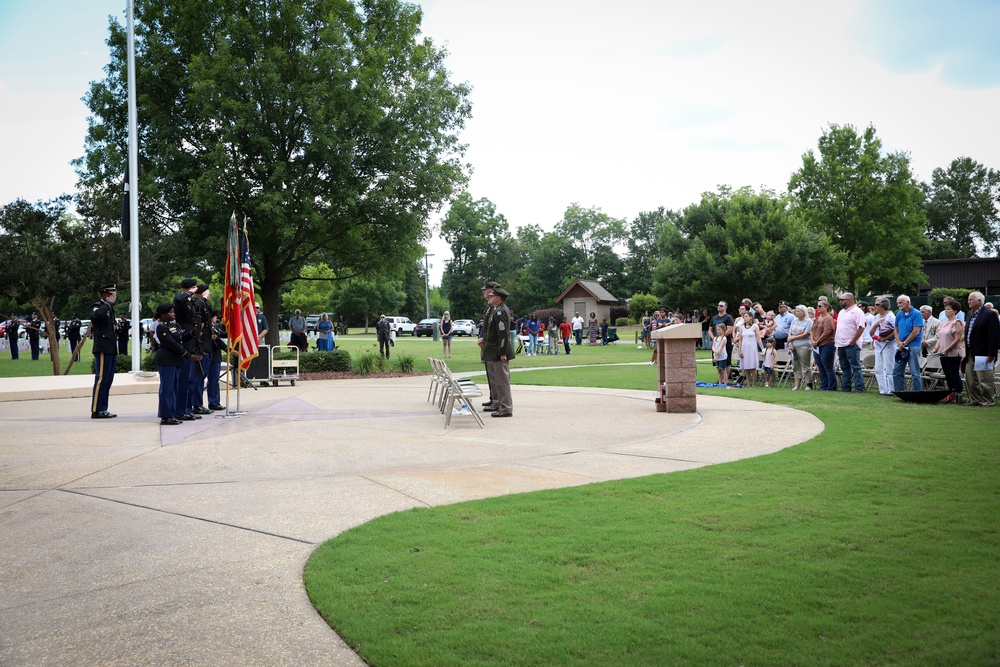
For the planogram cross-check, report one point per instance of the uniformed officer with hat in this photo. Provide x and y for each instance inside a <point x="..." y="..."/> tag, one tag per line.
<point x="102" y="331"/>
<point x="202" y="348"/>
<point x="498" y="351"/>
<point x="488" y="287"/>
<point x="185" y="314"/>
<point x="170" y="357"/>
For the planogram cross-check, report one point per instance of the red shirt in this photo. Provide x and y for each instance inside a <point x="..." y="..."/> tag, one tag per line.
<point x="565" y="330"/>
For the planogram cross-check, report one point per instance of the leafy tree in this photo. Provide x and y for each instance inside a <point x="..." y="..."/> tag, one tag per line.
<point x="640" y="304"/>
<point x="549" y="262"/>
<point x="482" y="248"/>
<point x="962" y="215"/>
<point x="333" y="127"/>
<point x="47" y="256"/>
<point x="366" y="298"/>
<point x="596" y="235"/>
<point x="760" y="245"/>
<point x="311" y="293"/>
<point x="868" y="203"/>
<point x="642" y="251"/>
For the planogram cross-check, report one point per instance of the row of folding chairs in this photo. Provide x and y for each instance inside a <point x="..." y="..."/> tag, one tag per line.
<point x="449" y="393"/>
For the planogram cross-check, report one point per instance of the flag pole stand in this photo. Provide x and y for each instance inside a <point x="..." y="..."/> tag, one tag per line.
<point x="232" y="414"/>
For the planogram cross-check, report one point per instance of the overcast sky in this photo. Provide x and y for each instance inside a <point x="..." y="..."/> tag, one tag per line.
<point x="624" y="106"/>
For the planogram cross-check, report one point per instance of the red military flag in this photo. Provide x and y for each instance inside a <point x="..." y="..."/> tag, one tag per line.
<point x="231" y="317"/>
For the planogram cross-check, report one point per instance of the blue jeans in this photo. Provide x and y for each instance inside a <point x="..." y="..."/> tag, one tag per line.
<point x="850" y="365"/>
<point x="824" y="361"/>
<point x="532" y="343"/>
<point x="899" y="371"/>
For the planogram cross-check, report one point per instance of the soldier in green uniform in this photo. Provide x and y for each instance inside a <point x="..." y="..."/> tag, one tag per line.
<point x="488" y="287"/>
<point x="497" y="352"/>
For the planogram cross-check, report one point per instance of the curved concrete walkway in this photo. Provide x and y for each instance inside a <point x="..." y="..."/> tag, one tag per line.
<point x="124" y="543"/>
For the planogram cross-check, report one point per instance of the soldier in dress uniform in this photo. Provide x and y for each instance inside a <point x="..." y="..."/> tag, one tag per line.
<point x="171" y="356"/>
<point x="217" y="332"/>
<point x="185" y="314"/>
<point x="488" y="287"/>
<point x="497" y="352"/>
<point x="73" y="334"/>
<point x="12" y="333"/>
<point x="203" y="348"/>
<point x="34" y="327"/>
<point x="102" y="323"/>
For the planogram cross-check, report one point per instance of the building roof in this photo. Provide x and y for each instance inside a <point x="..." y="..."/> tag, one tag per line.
<point x="593" y="288"/>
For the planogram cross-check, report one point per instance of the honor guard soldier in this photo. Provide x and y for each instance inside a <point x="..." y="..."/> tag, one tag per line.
<point x="497" y="353"/>
<point x="73" y="334"/>
<point x="34" y="327"/>
<point x="102" y="328"/>
<point x="185" y="313"/>
<point x="202" y="348"/>
<point x="171" y="356"/>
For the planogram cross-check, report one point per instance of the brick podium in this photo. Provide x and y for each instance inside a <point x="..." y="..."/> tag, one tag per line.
<point x="675" y="361"/>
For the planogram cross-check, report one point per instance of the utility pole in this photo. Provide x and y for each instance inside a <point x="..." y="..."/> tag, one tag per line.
<point x="427" y="284"/>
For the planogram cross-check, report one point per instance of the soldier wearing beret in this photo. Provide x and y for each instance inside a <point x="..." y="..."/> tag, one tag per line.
<point x="497" y="352"/>
<point x="201" y="347"/>
<point x="185" y="314"/>
<point x="171" y="354"/>
<point x="102" y="323"/>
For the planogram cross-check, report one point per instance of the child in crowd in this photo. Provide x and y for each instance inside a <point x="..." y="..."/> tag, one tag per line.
<point x="604" y="331"/>
<point x="769" y="359"/>
<point x="719" y="357"/>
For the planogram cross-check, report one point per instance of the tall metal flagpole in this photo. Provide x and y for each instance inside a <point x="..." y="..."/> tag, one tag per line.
<point x="133" y="198"/>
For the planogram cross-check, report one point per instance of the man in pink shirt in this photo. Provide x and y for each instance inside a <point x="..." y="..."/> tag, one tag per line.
<point x="850" y="326"/>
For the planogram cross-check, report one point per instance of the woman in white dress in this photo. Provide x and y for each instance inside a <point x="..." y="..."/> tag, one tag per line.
<point x="749" y="349"/>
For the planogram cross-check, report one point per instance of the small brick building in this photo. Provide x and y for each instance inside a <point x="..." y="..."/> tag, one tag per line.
<point x="586" y="297"/>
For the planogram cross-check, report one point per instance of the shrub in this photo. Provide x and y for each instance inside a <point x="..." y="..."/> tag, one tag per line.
<point x="148" y="362"/>
<point x="545" y="313"/>
<point x="319" y="362"/>
<point x="123" y="364"/>
<point x="640" y="303"/>
<point x="368" y="362"/>
<point x="936" y="297"/>
<point x="623" y="322"/>
<point x="617" y="312"/>
<point x="405" y="363"/>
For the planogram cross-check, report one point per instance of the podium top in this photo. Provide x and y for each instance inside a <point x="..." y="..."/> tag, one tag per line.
<point x="675" y="331"/>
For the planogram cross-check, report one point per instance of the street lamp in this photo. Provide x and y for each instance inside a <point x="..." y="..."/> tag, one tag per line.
<point x="427" y="284"/>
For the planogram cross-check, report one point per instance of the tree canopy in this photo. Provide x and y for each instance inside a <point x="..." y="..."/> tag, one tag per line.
<point x="754" y="245"/>
<point x="868" y="203"/>
<point x="963" y="219"/>
<point x="332" y="126"/>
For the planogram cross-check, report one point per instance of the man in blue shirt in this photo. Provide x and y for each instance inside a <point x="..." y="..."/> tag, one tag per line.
<point x="909" y="337"/>
<point x="783" y="322"/>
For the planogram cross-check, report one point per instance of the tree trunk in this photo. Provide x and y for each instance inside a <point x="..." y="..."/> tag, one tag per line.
<point x="44" y="309"/>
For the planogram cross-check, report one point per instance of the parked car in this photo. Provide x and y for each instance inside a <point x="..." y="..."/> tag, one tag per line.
<point x="465" y="328"/>
<point x="401" y="325"/>
<point x="312" y="321"/>
<point x="426" y="327"/>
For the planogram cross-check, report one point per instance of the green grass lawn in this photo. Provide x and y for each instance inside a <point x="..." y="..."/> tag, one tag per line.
<point x="874" y="543"/>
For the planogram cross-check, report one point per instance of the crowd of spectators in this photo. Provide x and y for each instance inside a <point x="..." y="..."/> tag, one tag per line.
<point x="823" y="340"/>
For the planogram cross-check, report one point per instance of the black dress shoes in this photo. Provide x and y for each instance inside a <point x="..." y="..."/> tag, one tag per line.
<point x="186" y="417"/>
<point x="169" y="421"/>
<point x="489" y="408"/>
<point x="216" y="407"/>
<point x="103" y="414"/>
<point x="502" y="414"/>
<point x="487" y="404"/>
<point x="201" y="410"/>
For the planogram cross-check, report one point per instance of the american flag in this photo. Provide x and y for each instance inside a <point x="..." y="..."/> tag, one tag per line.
<point x="239" y="308"/>
<point x="248" y="307"/>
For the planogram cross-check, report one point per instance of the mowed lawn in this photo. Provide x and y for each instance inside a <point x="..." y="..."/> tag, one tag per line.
<point x="874" y="543"/>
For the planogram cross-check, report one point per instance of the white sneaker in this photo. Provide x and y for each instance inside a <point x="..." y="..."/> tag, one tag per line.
<point x="808" y="388"/>
<point x="795" y="388"/>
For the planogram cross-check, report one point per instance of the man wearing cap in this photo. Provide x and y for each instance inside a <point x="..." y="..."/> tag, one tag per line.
<point x="909" y="331"/>
<point x="102" y="331"/>
<point x="12" y="332"/>
<point x="497" y="353"/>
<point x="930" y="332"/>
<point x="488" y="288"/>
<point x="382" y="333"/>
<point x="782" y="323"/>
<point x="847" y="339"/>
<point x="34" y="327"/>
<point x="185" y="314"/>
